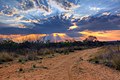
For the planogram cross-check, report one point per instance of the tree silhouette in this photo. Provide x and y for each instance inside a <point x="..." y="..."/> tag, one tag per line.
<point x="91" y="39"/>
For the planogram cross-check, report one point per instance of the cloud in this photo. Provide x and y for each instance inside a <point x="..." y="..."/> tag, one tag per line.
<point x="44" y="16"/>
<point x="73" y="27"/>
<point x="109" y="35"/>
<point x="95" y="8"/>
<point x="3" y="24"/>
<point x="13" y="30"/>
<point x="28" y="12"/>
<point x="100" y="23"/>
<point x="106" y="13"/>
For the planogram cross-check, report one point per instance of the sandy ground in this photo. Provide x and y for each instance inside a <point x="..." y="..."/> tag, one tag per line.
<point x="63" y="67"/>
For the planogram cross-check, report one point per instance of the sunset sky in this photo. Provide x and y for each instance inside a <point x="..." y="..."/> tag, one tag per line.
<point x="74" y="18"/>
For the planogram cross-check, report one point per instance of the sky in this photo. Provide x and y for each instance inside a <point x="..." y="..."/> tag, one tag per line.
<point x="75" y="18"/>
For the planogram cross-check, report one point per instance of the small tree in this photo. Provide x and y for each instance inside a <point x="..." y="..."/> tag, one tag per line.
<point x="90" y="39"/>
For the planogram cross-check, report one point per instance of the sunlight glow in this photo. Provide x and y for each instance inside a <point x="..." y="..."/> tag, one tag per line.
<point x="102" y="35"/>
<point x="73" y="27"/>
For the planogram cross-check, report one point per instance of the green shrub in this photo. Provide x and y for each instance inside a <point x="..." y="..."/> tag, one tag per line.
<point x="33" y="66"/>
<point x="66" y="52"/>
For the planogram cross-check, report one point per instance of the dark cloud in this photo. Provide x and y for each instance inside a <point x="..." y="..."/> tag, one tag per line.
<point x="110" y="22"/>
<point x="12" y="30"/>
<point x="58" y="24"/>
<point x="4" y="25"/>
<point x="54" y="22"/>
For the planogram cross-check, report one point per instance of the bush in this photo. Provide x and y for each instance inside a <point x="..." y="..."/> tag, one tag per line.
<point x="116" y="61"/>
<point x="5" y="57"/>
<point x="22" y="60"/>
<point x="34" y="66"/>
<point x="32" y="57"/>
<point x="71" y="50"/>
<point x="66" y="52"/>
<point x="94" y="60"/>
<point x="109" y="56"/>
<point x="45" y="51"/>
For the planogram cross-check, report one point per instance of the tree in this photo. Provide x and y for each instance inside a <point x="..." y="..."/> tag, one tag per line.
<point x="90" y="39"/>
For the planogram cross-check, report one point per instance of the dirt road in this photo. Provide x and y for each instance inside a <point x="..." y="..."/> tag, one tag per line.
<point x="64" y="67"/>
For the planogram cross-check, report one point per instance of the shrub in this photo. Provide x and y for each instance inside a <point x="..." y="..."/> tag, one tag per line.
<point x="34" y="66"/>
<point x="109" y="56"/>
<point x="32" y="57"/>
<point x="20" y="70"/>
<point x="5" y="57"/>
<point x="77" y="48"/>
<point x="66" y="52"/>
<point x="45" y="51"/>
<point x="44" y="67"/>
<point x="116" y="61"/>
<point x="22" y="60"/>
<point x="71" y="50"/>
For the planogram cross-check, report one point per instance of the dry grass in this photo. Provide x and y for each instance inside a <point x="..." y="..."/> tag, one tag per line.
<point x="108" y="55"/>
<point x="6" y="57"/>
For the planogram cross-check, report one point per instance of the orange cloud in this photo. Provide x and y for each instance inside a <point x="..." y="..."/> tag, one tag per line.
<point x="56" y="37"/>
<point x="102" y="35"/>
<point x="9" y="36"/>
<point x="21" y="38"/>
<point x="30" y="37"/>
